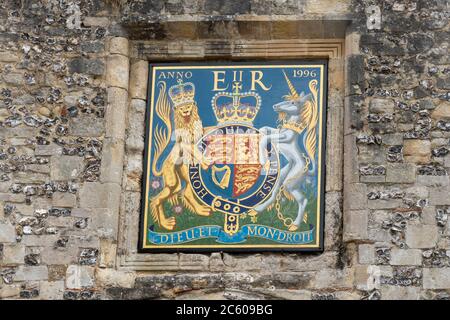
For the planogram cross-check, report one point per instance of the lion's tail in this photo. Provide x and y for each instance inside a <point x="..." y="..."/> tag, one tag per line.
<point x="162" y="135"/>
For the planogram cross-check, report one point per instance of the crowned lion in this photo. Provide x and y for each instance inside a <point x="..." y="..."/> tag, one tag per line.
<point x="175" y="168"/>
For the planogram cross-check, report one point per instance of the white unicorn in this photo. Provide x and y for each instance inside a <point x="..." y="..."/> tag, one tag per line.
<point x="298" y="117"/>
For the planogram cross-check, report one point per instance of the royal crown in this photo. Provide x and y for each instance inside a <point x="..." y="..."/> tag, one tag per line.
<point x="182" y="93"/>
<point x="236" y="106"/>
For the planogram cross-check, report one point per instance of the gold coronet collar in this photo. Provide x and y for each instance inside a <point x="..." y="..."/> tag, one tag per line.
<point x="295" y="126"/>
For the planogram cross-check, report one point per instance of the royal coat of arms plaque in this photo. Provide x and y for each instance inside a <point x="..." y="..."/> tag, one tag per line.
<point x="234" y="157"/>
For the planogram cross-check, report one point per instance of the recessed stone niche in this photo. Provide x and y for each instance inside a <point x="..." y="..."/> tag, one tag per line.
<point x="127" y="76"/>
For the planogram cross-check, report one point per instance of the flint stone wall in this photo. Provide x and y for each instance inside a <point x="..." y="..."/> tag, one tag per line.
<point x="72" y="104"/>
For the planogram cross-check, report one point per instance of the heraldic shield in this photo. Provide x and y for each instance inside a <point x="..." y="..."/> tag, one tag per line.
<point x="234" y="158"/>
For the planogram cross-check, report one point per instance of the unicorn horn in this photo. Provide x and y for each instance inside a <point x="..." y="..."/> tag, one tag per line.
<point x="294" y="93"/>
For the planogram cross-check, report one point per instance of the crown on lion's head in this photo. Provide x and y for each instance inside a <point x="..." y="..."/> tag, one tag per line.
<point x="236" y="106"/>
<point x="182" y="93"/>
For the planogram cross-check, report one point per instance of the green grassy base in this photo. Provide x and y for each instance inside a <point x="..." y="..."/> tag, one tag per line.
<point x="187" y="219"/>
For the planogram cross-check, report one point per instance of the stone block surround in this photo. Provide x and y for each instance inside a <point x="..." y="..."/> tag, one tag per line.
<point x="332" y="49"/>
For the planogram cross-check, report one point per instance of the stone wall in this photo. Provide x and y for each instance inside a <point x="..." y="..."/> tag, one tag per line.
<point x="72" y="104"/>
<point x="398" y="202"/>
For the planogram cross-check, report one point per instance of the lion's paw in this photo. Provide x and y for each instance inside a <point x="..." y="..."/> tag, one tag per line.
<point x="169" y="223"/>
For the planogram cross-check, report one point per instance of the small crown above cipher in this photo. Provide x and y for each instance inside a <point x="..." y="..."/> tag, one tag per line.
<point x="236" y="106"/>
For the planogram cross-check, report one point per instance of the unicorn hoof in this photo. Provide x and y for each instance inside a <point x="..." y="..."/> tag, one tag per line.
<point x="293" y="227"/>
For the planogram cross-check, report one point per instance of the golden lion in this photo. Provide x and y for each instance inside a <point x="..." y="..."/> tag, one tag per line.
<point x="175" y="168"/>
